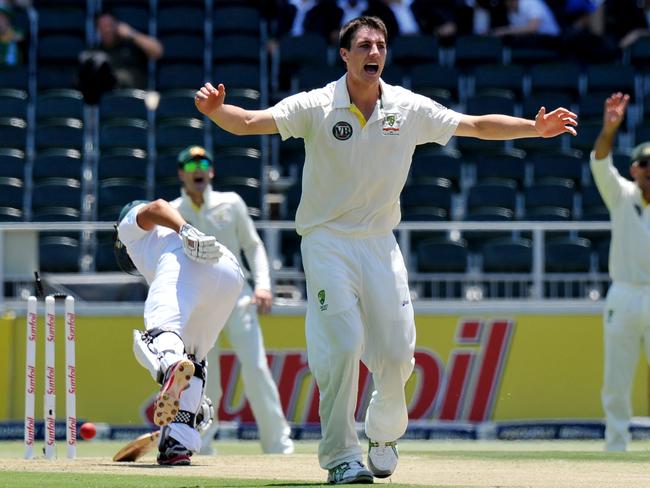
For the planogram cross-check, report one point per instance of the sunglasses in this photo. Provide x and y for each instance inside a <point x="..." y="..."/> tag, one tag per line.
<point x="192" y="166"/>
<point x="643" y="163"/>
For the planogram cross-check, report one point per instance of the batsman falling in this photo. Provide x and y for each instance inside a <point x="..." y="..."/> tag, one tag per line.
<point x="193" y="283"/>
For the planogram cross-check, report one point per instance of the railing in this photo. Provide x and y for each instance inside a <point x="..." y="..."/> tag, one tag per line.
<point x="19" y="249"/>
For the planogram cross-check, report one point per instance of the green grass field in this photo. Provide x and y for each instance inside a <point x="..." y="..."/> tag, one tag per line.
<point x="457" y="464"/>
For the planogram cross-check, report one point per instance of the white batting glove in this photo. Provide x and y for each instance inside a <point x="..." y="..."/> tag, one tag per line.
<point x="199" y="247"/>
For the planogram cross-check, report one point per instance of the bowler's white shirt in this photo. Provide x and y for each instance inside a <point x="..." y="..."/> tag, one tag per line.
<point x="629" y="252"/>
<point x="354" y="173"/>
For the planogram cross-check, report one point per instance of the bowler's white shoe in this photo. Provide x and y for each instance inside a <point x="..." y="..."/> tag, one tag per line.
<point x="348" y="473"/>
<point x="382" y="458"/>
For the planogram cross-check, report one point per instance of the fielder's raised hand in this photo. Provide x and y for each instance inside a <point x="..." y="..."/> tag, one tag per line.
<point x="208" y="98"/>
<point x="199" y="247"/>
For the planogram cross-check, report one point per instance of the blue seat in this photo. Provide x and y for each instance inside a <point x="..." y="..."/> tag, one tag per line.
<point x="123" y="163"/>
<point x="182" y="48"/>
<point x="58" y="162"/>
<point x="56" y="192"/>
<point x="236" y="19"/>
<point x="56" y="214"/>
<point x="236" y="48"/>
<point x="442" y="256"/>
<point x="558" y="192"/>
<point x="13" y="102"/>
<point x="177" y="133"/>
<point x="129" y="103"/>
<point x="430" y="79"/>
<point x="179" y="103"/>
<point x="13" y="132"/>
<point x="555" y="77"/>
<point x="177" y="18"/>
<point x="564" y="164"/>
<point x="237" y="163"/>
<point x="12" y="163"/>
<point x="499" y="193"/>
<point x="123" y="132"/>
<point x="60" y="132"/>
<point x="472" y="50"/>
<point x="568" y="255"/>
<point x="490" y="77"/>
<point x="10" y="214"/>
<point x="61" y="103"/>
<point x="171" y="76"/>
<point x="434" y="193"/>
<point x="11" y="192"/>
<point x="432" y="164"/>
<point x="507" y="255"/>
<point x="58" y="254"/>
<point x="416" y="49"/>
<point x="247" y="188"/>
<point x="114" y="193"/>
<point x="507" y="164"/>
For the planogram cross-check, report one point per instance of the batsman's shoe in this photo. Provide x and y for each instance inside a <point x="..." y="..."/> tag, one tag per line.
<point x="349" y="473"/>
<point x="382" y="458"/>
<point x="173" y="453"/>
<point x="176" y="380"/>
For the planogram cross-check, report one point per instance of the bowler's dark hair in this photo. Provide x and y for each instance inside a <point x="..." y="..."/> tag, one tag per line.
<point x="350" y="29"/>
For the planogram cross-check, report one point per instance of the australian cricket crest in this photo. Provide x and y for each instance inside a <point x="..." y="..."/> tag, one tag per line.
<point x="321" y="299"/>
<point x="391" y="124"/>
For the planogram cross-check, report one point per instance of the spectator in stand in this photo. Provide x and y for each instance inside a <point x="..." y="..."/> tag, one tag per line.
<point x="297" y="17"/>
<point x="11" y="40"/>
<point x="120" y="59"/>
<point x="531" y="23"/>
<point x="628" y="20"/>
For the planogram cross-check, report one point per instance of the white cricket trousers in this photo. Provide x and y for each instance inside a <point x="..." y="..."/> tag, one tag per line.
<point x="626" y="327"/>
<point x="245" y="335"/>
<point x="359" y="308"/>
<point x="194" y="300"/>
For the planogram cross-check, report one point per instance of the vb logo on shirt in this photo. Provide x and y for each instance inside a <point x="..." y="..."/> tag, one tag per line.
<point x="321" y="300"/>
<point x="342" y="131"/>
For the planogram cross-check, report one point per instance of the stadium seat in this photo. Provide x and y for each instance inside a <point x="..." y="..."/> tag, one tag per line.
<point x="182" y="48"/>
<point x="508" y="164"/>
<point x="56" y="49"/>
<point x="10" y="214"/>
<point x="551" y="100"/>
<point x="435" y="193"/>
<point x="494" y="192"/>
<point x="240" y="75"/>
<point x="105" y="255"/>
<point x="602" y="250"/>
<point x="12" y="163"/>
<point x="248" y="189"/>
<point x="11" y="192"/>
<point x="56" y="76"/>
<point x="129" y="103"/>
<point x="60" y="102"/>
<point x="178" y="103"/>
<point x="490" y="77"/>
<point x="600" y="79"/>
<point x="178" y="18"/>
<point x="638" y="54"/>
<point x="62" y="132"/>
<point x="13" y="132"/>
<point x="58" y="162"/>
<point x="114" y="193"/>
<point x="472" y="50"/>
<point x="417" y="49"/>
<point x="549" y="192"/>
<point x="555" y="77"/>
<point x="294" y="53"/>
<point x="123" y="132"/>
<point x="177" y="133"/>
<point x="235" y="19"/>
<point x="587" y="134"/>
<point x="58" y="254"/>
<point x="56" y="192"/>
<point x="224" y="140"/>
<point x="123" y="163"/>
<point x="236" y="48"/>
<point x="430" y="164"/>
<point x="311" y="77"/>
<point x="171" y="76"/>
<point x="62" y="19"/>
<point x="564" y="164"/>
<point x="237" y="163"/>
<point x="442" y="256"/>
<point x="56" y="214"/>
<point x="13" y="102"/>
<point x="507" y="255"/>
<point x="476" y="238"/>
<point x="569" y="255"/>
<point x="430" y="79"/>
<point x="15" y="77"/>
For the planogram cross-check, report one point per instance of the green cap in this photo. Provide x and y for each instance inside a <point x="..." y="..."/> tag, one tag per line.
<point x="191" y="153"/>
<point x="642" y="151"/>
<point x="129" y="206"/>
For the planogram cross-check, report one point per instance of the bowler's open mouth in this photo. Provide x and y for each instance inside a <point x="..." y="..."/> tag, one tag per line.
<point x="199" y="179"/>
<point x="371" y="68"/>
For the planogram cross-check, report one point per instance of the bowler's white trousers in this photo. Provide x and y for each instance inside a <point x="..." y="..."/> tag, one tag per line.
<point x="359" y="308"/>
<point x="626" y="320"/>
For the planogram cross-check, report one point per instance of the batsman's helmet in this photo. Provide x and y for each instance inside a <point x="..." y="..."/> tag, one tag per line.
<point x="121" y="255"/>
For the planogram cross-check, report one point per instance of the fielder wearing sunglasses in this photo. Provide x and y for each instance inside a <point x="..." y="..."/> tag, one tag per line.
<point x="196" y="164"/>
